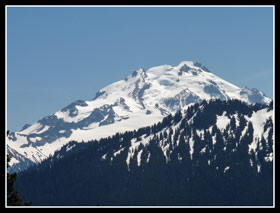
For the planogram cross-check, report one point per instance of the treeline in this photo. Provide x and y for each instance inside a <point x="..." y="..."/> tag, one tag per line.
<point x="184" y="163"/>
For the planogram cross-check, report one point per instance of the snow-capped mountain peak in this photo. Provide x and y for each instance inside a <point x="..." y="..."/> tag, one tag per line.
<point x="141" y="99"/>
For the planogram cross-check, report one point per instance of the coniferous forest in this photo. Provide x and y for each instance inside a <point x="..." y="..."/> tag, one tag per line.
<point x="184" y="160"/>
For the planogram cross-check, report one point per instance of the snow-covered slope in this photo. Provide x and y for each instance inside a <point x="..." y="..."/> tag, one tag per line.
<point x="216" y="147"/>
<point x="141" y="99"/>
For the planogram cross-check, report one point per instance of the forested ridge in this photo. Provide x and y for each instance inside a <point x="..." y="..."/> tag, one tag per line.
<point x="185" y="160"/>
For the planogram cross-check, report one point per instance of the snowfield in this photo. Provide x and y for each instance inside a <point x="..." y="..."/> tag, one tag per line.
<point x="142" y="99"/>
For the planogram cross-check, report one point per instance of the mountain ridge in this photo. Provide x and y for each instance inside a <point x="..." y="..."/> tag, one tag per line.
<point x="215" y="153"/>
<point x="141" y="99"/>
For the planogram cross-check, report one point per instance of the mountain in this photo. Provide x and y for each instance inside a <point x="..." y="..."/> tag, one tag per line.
<point x="141" y="99"/>
<point x="214" y="153"/>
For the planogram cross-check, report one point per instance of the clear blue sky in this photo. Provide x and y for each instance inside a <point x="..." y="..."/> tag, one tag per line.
<point x="56" y="55"/>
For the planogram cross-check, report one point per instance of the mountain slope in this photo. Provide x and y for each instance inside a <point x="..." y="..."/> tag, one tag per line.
<point x="139" y="100"/>
<point x="214" y="153"/>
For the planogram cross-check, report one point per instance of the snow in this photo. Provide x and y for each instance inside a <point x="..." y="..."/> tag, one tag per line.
<point x="31" y="129"/>
<point x="13" y="161"/>
<point x="222" y="121"/>
<point x="165" y="149"/>
<point x="164" y="82"/>
<point x="179" y="157"/>
<point x="69" y="148"/>
<point x="43" y="130"/>
<point x="65" y="116"/>
<point x="244" y="131"/>
<point x="258" y="120"/>
<point x="139" y="157"/>
<point x="214" y="139"/>
<point x="200" y="133"/>
<point x="104" y="157"/>
<point x="118" y="152"/>
<point x="129" y="157"/>
<point x="148" y="158"/>
<point x="136" y="120"/>
<point x="203" y="150"/>
<point x="227" y="168"/>
<point x="131" y="151"/>
<point x="269" y="158"/>
<point x="237" y="121"/>
<point x="258" y="168"/>
<point x="35" y="139"/>
<point x="191" y="143"/>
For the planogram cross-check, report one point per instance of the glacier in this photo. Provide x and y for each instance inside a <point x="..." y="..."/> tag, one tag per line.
<point x="141" y="99"/>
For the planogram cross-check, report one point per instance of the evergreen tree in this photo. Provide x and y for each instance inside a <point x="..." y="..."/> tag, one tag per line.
<point x="13" y="198"/>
